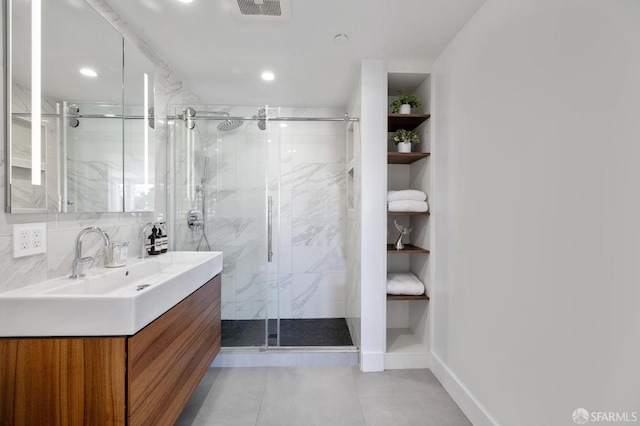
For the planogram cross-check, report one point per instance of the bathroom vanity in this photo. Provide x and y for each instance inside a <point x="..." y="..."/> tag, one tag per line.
<point x="144" y="378"/>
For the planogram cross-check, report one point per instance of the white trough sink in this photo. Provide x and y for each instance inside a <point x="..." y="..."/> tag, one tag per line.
<point x="107" y="301"/>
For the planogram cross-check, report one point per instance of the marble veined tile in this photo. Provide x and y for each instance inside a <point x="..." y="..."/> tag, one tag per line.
<point x="318" y="149"/>
<point x="317" y="232"/>
<point x="279" y="296"/>
<point x="251" y="287"/>
<point x="310" y="259"/>
<point x="231" y="256"/>
<point x="251" y="310"/>
<point x="328" y="205"/>
<point x="252" y="260"/>
<point x="238" y="231"/>
<point x="318" y="176"/>
<point x="20" y="271"/>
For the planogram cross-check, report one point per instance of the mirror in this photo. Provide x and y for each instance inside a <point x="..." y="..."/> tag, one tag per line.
<point x="96" y="155"/>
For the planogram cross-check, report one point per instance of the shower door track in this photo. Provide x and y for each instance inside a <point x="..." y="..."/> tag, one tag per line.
<point x="304" y="349"/>
<point x="345" y="119"/>
<point x="54" y="115"/>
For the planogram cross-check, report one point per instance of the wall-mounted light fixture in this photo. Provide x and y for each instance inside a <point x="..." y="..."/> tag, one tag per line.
<point x="36" y="89"/>
<point x="145" y="126"/>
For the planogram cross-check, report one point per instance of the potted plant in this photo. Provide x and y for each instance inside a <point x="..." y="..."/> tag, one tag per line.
<point x="404" y="138"/>
<point x="404" y="103"/>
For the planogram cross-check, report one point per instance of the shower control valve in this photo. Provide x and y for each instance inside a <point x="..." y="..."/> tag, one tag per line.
<point x="194" y="219"/>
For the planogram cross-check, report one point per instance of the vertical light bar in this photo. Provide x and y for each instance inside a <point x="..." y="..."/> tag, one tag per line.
<point x="36" y="47"/>
<point x="145" y="126"/>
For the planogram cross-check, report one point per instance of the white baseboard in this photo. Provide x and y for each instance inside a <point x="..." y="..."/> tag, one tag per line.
<point x="395" y="361"/>
<point x="469" y="405"/>
<point x="371" y="361"/>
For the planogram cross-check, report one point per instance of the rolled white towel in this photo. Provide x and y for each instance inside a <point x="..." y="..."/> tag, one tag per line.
<point x="406" y="194"/>
<point x="404" y="283"/>
<point x="408" y="206"/>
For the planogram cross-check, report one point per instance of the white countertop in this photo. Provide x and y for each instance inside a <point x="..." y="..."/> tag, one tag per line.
<point x="107" y="301"/>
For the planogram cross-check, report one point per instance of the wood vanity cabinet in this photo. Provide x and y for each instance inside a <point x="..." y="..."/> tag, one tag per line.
<point x="144" y="379"/>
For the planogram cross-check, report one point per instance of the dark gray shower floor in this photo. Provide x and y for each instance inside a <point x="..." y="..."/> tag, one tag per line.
<point x="293" y="332"/>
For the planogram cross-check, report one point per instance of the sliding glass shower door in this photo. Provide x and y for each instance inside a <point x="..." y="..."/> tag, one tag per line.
<point x="227" y="197"/>
<point x="268" y="188"/>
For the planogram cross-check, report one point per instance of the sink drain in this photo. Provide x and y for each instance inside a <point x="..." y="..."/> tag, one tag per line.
<point x="142" y="287"/>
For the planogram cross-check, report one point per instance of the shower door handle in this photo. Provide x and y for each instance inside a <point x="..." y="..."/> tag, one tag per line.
<point x="269" y="229"/>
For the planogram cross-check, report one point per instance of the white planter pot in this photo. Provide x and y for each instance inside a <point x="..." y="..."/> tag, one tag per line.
<point x="404" y="147"/>
<point x="405" y="109"/>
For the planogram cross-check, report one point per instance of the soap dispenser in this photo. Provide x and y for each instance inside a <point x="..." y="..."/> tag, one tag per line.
<point x="164" y="239"/>
<point x="153" y="242"/>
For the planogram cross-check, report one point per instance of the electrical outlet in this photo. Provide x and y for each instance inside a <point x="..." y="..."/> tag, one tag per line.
<point x="37" y="237"/>
<point x="29" y="239"/>
<point x="24" y="239"/>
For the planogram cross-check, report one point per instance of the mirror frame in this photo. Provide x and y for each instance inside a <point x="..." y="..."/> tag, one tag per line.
<point x="6" y="90"/>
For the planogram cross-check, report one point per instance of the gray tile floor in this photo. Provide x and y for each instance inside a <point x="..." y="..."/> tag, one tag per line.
<point x="326" y="396"/>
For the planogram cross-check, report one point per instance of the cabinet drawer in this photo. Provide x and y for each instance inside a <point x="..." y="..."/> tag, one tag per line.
<point x="168" y="358"/>
<point x="62" y="381"/>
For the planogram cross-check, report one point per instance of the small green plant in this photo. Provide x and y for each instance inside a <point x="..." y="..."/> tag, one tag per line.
<point x="403" y="98"/>
<point x="403" y="135"/>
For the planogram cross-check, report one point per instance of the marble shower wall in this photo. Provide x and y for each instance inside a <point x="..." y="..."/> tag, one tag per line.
<point x="63" y="228"/>
<point x="304" y="166"/>
<point x="313" y="201"/>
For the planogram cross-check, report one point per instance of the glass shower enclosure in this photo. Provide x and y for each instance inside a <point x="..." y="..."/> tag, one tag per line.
<point x="271" y="195"/>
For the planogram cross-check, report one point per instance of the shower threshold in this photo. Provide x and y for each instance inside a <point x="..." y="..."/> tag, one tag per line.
<point x="288" y="356"/>
<point x="325" y="332"/>
<point x="303" y="342"/>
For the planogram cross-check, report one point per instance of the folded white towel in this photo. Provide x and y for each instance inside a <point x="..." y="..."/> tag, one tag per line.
<point x="404" y="283"/>
<point x="408" y="206"/>
<point x="406" y="194"/>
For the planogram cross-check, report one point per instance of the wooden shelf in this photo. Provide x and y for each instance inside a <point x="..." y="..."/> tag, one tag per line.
<point x="406" y="157"/>
<point x="406" y="297"/>
<point x="405" y="121"/>
<point x="408" y="249"/>
<point x="408" y="213"/>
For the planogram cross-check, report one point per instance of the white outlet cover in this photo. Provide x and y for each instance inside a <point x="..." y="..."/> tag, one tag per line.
<point x="36" y="239"/>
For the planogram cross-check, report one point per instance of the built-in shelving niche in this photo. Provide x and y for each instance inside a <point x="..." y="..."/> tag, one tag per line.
<point x="407" y="337"/>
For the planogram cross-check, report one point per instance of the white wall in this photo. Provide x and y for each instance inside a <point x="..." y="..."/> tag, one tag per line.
<point x="537" y="239"/>
<point x="373" y="272"/>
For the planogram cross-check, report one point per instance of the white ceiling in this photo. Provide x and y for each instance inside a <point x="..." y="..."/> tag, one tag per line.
<point x="221" y="57"/>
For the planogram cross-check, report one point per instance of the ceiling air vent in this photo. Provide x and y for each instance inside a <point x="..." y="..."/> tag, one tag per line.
<point x="274" y="10"/>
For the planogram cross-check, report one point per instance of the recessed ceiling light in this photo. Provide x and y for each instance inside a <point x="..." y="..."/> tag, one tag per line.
<point x="268" y="76"/>
<point x="88" y="72"/>
<point x="341" y="38"/>
<point x="185" y="1"/>
<point x="283" y="124"/>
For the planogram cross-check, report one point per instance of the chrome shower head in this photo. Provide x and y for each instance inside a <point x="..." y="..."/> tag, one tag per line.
<point x="228" y="125"/>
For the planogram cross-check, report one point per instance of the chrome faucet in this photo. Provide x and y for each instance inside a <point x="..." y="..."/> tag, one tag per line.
<point x="78" y="260"/>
